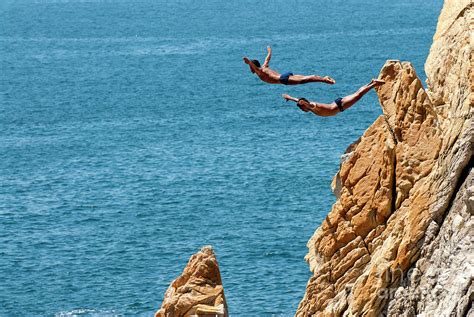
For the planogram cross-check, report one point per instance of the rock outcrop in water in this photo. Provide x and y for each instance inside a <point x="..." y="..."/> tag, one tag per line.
<point x="399" y="239"/>
<point x="198" y="291"/>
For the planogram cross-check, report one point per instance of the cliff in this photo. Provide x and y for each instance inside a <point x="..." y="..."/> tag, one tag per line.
<point x="399" y="238"/>
<point x="198" y="291"/>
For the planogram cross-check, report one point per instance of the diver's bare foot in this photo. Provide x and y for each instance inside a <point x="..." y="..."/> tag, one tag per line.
<point x="377" y="82"/>
<point x="329" y="80"/>
<point x="246" y="60"/>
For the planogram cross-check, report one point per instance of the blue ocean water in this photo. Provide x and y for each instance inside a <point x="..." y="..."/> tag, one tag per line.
<point x="132" y="134"/>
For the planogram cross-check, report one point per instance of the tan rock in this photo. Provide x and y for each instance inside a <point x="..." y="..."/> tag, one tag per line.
<point x="198" y="291"/>
<point x="441" y="283"/>
<point x="338" y="245"/>
<point x="446" y="68"/>
<point x="398" y="182"/>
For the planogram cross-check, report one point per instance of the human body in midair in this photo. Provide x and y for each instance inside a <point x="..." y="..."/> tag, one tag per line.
<point x="338" y="105"/>
<point x="270" y="76"/>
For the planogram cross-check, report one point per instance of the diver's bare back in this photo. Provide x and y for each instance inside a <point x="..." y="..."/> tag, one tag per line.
<point x="268" y="75"/>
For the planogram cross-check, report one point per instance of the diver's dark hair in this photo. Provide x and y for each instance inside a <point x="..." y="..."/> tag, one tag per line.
<point x="256" y="63"/>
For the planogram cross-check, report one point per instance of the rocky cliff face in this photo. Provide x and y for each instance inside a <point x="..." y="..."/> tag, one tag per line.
<point x="198" y="291"/>
<point x="399" y="238"/>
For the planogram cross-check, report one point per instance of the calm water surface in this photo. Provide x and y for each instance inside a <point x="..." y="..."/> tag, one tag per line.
<point x="132" y="134"/>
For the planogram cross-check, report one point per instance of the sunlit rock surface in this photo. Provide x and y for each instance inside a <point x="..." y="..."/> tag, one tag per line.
<point x="399" y="238"/>
<point x="198" y="291"/>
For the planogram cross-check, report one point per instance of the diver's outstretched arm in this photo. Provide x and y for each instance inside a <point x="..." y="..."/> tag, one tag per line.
<point x="268" y="58"/>
<point x="252" y="65"/>
<point x="302" y="103"/>
<point x="318" y="109"/>
<point x="289" y="98"/>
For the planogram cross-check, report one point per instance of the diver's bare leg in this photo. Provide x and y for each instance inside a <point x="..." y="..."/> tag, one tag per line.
<point x="301" y="79"/>
<point x="350" y="100"/>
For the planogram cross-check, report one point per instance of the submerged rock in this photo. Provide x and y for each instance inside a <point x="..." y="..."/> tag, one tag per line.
<point x="198" y="291"/>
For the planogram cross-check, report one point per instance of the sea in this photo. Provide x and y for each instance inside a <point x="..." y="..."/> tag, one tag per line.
<point x="132" y="134"/>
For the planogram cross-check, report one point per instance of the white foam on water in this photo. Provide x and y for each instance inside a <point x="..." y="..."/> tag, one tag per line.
<point x="86" y="312"/>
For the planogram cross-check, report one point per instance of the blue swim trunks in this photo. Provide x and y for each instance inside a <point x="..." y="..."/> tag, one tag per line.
<point x="338" y="102"/>
<point x="284" y="78"/>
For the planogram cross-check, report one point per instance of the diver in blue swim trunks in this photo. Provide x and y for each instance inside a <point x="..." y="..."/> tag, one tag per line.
<point x="270" y="76"/>
<point x="338" y="105"/>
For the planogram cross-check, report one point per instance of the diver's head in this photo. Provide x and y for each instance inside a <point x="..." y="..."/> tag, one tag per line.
<point x="256" y="63"/>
